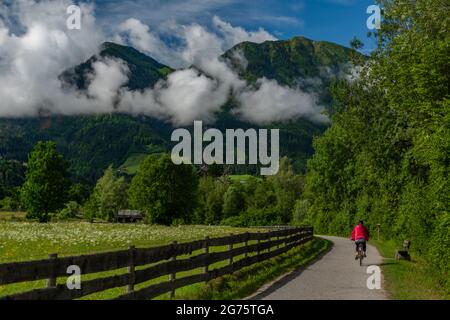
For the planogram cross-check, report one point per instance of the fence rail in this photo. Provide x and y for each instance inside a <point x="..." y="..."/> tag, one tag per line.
<point x="163" y="260"/>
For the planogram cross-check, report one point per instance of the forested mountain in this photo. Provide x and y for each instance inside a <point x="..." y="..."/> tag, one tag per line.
<point x="310" y="65"/>
<point x="144" y="71"/>
<point x="91" y="143"/>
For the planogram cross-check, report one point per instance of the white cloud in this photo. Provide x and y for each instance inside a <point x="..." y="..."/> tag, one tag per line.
<point x="272" y="102"/>
<point x="108" y="77"/>
<point x="31" y="62"/>
<point x="186" y="95"/>
<point x="234" y="35"/>
<point x="137" y="34"/>
<point x="196" y="43"/>
<point x="200" y="44"/>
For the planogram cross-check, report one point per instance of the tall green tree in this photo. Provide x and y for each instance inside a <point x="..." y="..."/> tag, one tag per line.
<point x="164" y="191"/>
<point x="210" y="200"/>
<point x="288" y="188"/>
<point x="46" y="185"/>
<point x="109" y="196"/>
<point x="233" y="200"/>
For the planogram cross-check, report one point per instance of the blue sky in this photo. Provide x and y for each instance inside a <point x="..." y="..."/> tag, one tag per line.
<point x="331" y="20"/>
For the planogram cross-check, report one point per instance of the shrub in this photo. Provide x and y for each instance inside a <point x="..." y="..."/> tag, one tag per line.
<point x="440" y="249"/>
<point x="72" y="210"/>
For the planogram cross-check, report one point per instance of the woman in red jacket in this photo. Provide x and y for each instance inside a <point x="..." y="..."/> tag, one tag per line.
<point x="360" y="234"/>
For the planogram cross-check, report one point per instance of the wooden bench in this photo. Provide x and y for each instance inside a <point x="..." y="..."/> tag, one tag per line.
<point x="403" y="253"/>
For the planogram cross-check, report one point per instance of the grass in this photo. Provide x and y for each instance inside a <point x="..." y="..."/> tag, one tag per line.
<point x="408" y="280"/>
<point x="131" y="165"/>
<point x="12" y="216"/>
<point x="240" y="178"/>
<point x="20" y="241"/>
<point x="23" y="241"/>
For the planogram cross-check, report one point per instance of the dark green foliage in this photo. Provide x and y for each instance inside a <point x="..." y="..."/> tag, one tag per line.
<point x="90" y="143"/>
<point x="216" y="170"/>
<point x="11" y="203"/>
<point x="164" y="191"/>
<point x="255" y="217"/>
<point x="46" y="186"/>
<point x="233" y="201"/>
<point x="210" y="200"/>
<point x="71" y="210"/>
<point x="386" y="158"/>
<point x="12" y="175"/>
<point x="440" y="249"/>
<point x="255" y="201"/>
<point x="287" y="188"/>
<point x="79" y="193"/>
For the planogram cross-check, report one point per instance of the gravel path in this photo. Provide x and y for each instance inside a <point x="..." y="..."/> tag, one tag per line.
<point x="334" y="276"/>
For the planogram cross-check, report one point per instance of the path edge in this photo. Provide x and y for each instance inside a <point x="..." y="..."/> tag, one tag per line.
<point x="266" y="286"/>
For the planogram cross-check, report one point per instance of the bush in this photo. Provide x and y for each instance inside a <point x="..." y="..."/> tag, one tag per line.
<point x="236" y="221"/>
<point x="233" y="201"/>
<point x="300" y="212"/>
<point x="72" y="210"/>
<point x="440" y="249"/>
<point x="7" y="204"/>
<point x="254" y="217"/>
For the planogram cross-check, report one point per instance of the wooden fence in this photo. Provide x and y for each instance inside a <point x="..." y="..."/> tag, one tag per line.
<point x="242" y="250"/>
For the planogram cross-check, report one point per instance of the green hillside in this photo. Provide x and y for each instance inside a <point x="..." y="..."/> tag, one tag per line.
<point x="290" y="60"/>
<point x="144" y="71"/>
<point x="91" y="143"/>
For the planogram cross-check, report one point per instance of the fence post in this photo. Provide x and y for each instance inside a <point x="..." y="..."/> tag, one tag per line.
<point x="206" y="251"/>
<point x="230" y="247"/>
<point x="131" y="269"/>
<point x="257" y="245"/>
<point x="51" y="281"/>
<point x="173" y="275"/>
<point x="246" y="244"/>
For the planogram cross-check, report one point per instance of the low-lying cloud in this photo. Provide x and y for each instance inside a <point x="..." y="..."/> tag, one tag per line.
<point x="31" y="62"/>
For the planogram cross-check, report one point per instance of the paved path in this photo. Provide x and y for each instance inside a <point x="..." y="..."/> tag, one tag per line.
<point x="336" y="275"/>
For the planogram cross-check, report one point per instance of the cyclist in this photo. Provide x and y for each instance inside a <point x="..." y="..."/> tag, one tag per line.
<point x="360" y="234"/>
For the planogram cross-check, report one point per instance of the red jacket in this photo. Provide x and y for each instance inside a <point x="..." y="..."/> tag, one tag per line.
<point x="360" y="232"/>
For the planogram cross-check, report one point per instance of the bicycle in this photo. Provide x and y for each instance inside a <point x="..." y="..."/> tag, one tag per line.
<point x="360" y="253"/>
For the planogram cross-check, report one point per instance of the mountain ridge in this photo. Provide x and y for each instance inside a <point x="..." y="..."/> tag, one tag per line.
<point x="91" y="143"/>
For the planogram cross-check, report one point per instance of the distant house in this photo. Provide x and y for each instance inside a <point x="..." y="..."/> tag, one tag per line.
<point x="129" y="216"/>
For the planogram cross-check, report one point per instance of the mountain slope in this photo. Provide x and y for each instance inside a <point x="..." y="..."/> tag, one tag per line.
<point x="144" y="71"/>
<point x="291" y="61"/>
<point x="91" y="143"/>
